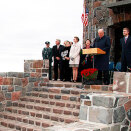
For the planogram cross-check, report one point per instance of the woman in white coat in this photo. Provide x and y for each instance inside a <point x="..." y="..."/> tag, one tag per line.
<point x="75" y="57"/>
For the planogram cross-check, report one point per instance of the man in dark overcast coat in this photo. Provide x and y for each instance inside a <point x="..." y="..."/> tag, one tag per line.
<point x="102" y="61"/>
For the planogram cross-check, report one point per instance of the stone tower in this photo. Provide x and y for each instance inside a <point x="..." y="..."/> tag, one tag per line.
<point x="112" y="16"/>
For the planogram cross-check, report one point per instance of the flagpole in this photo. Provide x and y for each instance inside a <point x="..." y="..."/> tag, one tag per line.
<point x="84" y="15"/>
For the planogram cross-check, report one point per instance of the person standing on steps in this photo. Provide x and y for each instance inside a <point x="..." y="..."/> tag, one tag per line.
<point x="65" y="62"/>
<point x="102" y="61"/>
<point x="126" y="51"/>
<point x="47" y="55"/>
<point x="75" y="57"/>
<point x="56" y="53"/>
<point x="87" y="60"/>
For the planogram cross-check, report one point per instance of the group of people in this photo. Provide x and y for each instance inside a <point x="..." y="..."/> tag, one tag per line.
<point x="68" y="58"/>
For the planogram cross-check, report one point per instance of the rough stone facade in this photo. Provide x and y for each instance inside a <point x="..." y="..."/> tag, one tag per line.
<point x="111" y="109"/>
<point x="13" y="85"/>
<point x="112" y="16"/>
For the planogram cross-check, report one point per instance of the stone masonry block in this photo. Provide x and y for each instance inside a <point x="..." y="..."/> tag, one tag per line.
<point x="29" y="87"/>
<point x="8" y="96"/>
<point x="3" y="74"/>
<point x="100" y="115"/>
<point x="46" y="64"/>
<point x="35" y="74"/>
<point x="103" y="101"/>
<point x="26" y="75"/>
<point x="12" y="74"/>
<point x="1" y="97"/>
<point x="16" y="95"/>
<point x="20" y="74"/>
<point x="18" y="88"/>
<point x="115" y="128"/>
<point x="127" y="105"/>
<point x="129" y="115"/>
<point x="10" y="88"/>
<point x="7" y="81"/>
<point x="25" y="82"/>
<point x="83" y="113"/>
<point x="119" y="114"/>
<point x="1" y="80"/>
<point x="32" y="79"/>
<point x="45" y="70"/>
<point x="38" y="64"/>
<point x="17" y="81"/>
<point x="26" y="67"/>
<point x="120" y="81"/>
<point x="45" y="75"/>
<point x="4" y="88"/>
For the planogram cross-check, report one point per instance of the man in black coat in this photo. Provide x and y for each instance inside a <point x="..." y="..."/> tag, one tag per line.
<point x="126" y="51"/>
<point x="56" y="53"/>
<point x="102" y="61"/>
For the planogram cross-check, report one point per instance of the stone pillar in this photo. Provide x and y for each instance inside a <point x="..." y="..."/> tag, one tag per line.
<point x="122" y="82"/>
<point x="13" y="85"/>
<point x="111" y="109"/>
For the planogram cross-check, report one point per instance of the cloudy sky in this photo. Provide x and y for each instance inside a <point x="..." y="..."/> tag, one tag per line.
<point x="26" y="24"/>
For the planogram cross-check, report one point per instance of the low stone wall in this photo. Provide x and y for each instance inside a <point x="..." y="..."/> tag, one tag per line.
<point x="13" y="85"/>
<point x="110" y="109"/>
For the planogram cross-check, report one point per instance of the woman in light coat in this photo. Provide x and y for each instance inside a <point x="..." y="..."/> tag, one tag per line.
<point x="75" y="57"/>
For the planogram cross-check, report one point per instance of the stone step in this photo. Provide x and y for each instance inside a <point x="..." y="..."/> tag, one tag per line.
<point x="62" y="84"/>
<point x="58" y="90"/>
<point x="74" y="85"/>
<point x="58" y="103"/>
<point x="73" y="91"/>
<point x="40" y="122"/>
<point x="2" y="128"/>
<point x="85" y="126"/>
<point x="13" y="125"/>
<point x="55" y="96"/>
<point x="41" y="114"/>
<point x="45" y="108"/>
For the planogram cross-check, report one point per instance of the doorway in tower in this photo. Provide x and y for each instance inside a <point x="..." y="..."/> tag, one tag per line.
<point x="116" y="34"/>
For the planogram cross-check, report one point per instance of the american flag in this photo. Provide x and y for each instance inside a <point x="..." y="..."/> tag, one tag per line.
<point x="84" y="16"/>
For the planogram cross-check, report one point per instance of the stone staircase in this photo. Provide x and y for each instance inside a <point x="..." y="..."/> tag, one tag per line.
<point x="41" y="108"/>
<point x="61" y="106"/>
<point x="30" y="102"/>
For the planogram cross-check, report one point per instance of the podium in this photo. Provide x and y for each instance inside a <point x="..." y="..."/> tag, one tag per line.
<point x="93" y="51"/>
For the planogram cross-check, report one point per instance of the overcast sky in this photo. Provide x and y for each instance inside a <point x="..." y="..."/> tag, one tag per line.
<point x="26" y="24"/>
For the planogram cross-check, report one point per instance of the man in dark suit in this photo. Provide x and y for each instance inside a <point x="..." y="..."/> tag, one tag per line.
<point x="126" y="51"/>
<point x="56" y="53"/>
<point x="102" y="61"/>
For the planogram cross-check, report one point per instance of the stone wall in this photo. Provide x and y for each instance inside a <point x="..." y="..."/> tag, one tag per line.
<point x="113" y="110"/>
<point x="13" y="85"/>
<point x="102" y="17"/>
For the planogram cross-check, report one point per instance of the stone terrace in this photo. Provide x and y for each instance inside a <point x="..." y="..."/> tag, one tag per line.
<point x="30" y="102"/>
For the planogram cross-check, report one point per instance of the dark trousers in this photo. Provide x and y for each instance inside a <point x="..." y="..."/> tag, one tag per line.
<point x="105" y="75"/>
<point x="125" y="64"/>
<point x="58" y="64"/>
<point x="66" y="70"/>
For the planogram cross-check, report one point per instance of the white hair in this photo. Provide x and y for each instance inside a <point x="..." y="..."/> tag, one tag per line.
<point x="101" y="30"/>
<point x="58" y="40"/>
